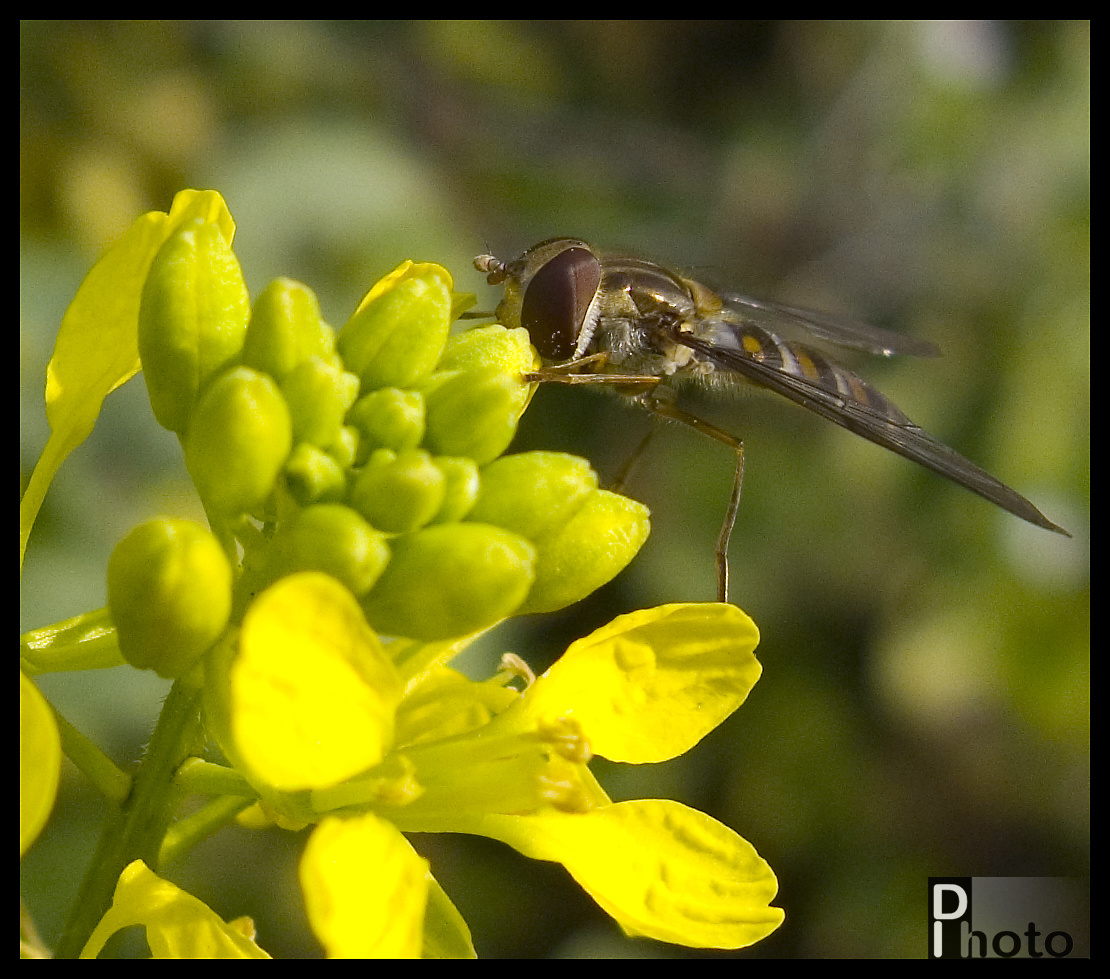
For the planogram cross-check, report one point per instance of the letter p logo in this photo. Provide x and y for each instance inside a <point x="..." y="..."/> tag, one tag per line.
<point x="949" y="906"/>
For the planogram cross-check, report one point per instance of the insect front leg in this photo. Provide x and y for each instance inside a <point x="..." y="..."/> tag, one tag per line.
<point x="569" y="373"/>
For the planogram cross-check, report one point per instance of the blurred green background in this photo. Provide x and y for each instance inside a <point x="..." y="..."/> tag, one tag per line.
<point x="924" y="708"/>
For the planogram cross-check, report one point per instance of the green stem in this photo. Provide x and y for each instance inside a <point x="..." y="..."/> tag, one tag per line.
<point x="198" y="777"/>
<point x="135" y="832"/>
<point x="112" y="783"/>
<point x="187" y="832"/>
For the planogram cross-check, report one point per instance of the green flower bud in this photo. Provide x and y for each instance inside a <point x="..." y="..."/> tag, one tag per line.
<point x="345" y="449"/>
<point x="583" y="536"/>
<point x="473" y="413"/>
<point x="399" y="492"/>
<point x="490" y="346"/>
<point x="169" y="591"/>
<point x="389" y="418"/>
<point x="450" y="580"/>
<point x="462" y="483"/>
<point x="477" y="415"/>
<point x="314" y="476"/>
<point x="396" y="335"/>
<point x="319" y="395"/>
<point x="192" y="319"/>
<point x="238" y="440"/>
<point x="286" y="329"/>
<point x="533" y="492"/>
<point x="218" y="698"/>
<point x="330" y="538"/>
<point x="590" y="549"/>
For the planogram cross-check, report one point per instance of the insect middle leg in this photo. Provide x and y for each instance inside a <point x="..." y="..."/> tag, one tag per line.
<point x="666" y="408"/>
<point x="617" y="483"/>
<point x="653" y="400"/>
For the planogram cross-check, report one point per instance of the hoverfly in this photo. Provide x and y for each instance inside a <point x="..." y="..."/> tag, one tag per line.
<point x="637" y="326"/>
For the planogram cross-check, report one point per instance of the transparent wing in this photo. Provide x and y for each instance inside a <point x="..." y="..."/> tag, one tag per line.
<point x="878" y="421"/>
<point x="793" y="322"/>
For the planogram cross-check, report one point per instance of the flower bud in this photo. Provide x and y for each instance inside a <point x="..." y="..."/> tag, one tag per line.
<point x="286" y="329"/>
<point x="399" y="492"/>
<point x="192" y="319"/>
<point x="169" y="591"/>
<point x="318" y="394"/>
<point x="477" y="394"/>
<point x="450" y="580"/>
<point x="331" y="538"/>
<point x="531" y="492"/>
<point x="389" y="418"/>
<point x="238" y="440"/>
<point x="461" y="487"/>
<point x="472" y="413"/>
<point x="583" y="536"/>
<point x="590" y="549"/>
<point x="490" y="346"/>
<point x="396" y="335"/>
<point x="345" y="449"/>
<point x="314" y="476"/>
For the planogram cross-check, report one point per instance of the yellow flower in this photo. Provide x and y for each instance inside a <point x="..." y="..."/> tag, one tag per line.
<point x="456" y="755"/>
<point x="354" y="487"/>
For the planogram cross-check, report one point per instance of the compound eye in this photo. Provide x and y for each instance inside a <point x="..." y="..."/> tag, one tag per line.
<point x="556" y="300"/>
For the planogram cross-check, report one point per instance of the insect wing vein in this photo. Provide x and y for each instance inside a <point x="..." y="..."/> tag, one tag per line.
<point x="795" y="322"/>
<point x="902" y="437"/>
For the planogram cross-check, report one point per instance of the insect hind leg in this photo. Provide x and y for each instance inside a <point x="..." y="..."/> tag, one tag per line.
<point x="721" y="553"/>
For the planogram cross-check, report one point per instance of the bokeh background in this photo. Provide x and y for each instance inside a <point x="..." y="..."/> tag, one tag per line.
<point x="924" y="708"/>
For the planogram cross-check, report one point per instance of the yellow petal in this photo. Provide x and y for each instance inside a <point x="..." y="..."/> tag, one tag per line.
<point x="313" y="696"/>
<point x="178" y="925"/>
<point x="658" y="868"/>
<point x="365" y="889"/>
<point x="40" y="761"/>
<point x="650" y="685"/>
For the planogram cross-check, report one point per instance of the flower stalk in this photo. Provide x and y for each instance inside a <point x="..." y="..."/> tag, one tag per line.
<point x="137" y="829"/>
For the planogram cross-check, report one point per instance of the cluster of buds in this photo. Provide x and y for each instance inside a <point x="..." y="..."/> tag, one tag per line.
<point x="372" y="454"/>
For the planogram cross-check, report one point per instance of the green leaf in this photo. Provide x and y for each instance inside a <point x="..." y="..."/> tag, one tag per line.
<point x="446" y="935"/>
